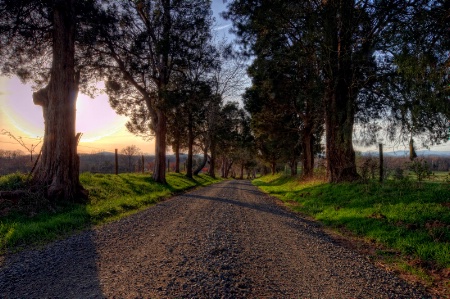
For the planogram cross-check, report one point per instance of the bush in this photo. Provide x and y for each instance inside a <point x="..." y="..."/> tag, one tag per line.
<point x="420" y="168"/>
<point x="13" y="181"/>
<point x="368" y="168"/>
<point x="398" y="173"/>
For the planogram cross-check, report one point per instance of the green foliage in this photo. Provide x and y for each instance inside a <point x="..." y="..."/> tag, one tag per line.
<point x="143" y="66"/>
<point x="12" y="181"/>
<point x="420" y="168"/>
<point x="367" y="168"/>
<point x="414" y="220"/>
<point x="111" y="197"/>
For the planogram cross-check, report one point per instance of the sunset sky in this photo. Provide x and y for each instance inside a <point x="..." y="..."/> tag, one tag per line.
<point x="102" y="129"/>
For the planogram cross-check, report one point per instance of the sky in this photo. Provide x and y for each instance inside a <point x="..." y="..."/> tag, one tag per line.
<point x="102" y="128"/>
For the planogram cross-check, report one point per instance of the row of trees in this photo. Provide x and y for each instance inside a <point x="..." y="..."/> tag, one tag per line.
<point x="320" y="67"/>
<point x="159" y="64"/>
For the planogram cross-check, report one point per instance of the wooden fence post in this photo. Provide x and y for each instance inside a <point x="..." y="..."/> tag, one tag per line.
<point x="381" y="162"/>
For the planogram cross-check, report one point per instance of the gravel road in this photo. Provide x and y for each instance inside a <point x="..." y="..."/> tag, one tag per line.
<point x="224" y="241"/>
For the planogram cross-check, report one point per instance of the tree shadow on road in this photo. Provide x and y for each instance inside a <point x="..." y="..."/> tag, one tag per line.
<point x="267" y="204"/>
<point x="64" y="269"/>
<point x="263" y="205"/>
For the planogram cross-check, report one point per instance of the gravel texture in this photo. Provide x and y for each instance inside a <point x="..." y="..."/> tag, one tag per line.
<point x="227" y="240"/>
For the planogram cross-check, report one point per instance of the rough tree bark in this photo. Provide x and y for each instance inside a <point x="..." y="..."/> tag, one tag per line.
<point x="58" y="169"/>
<point x="222" y="168"/>
<point x="412" y="152"/>
<point x="227" y="170"/>
<point x="160" y="124"/>
<point x="212" y="161"/>
<point x="226" y="167"/>
<point x="339" y="121"/>
<point x="189" y="163"/>
<point x="340" y="92"/>
<point x="293" y="167"/>
<point x="273" y="167"/>
<point x="308" y="151"/>
<point x="203" y="163"/>
<point x="241" y="175"/>
<point x="159" y="174"/>
<point x="177" y="156"/>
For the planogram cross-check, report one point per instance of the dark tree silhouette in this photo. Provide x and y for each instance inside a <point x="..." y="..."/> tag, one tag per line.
<point x="38" y="43"/>
<point x="148" y="42"/>
<point x="355" y="45"/>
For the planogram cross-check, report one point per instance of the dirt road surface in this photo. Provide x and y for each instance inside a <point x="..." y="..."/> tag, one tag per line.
<point x="224" y="241"/>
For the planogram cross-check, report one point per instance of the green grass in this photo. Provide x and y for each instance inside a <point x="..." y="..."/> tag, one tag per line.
<point x="409" y="217"/>
<point x="111" y="197"/>
<point x="12" y="182"/>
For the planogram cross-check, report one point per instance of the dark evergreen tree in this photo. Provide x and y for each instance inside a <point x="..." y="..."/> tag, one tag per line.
<point x="147" y="44"/>
<point x="44" y="42"/>
<point x="353" y="46"/>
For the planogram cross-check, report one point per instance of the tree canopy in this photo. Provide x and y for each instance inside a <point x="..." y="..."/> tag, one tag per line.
<point x="364" y="61"/>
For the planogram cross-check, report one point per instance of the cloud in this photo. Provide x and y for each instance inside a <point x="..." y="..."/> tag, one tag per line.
<point x="222" y="27"/>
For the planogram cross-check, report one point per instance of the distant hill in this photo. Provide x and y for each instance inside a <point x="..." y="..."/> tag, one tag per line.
<point x="403" y="153"/>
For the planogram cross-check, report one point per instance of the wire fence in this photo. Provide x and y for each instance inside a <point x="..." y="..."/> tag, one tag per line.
<point x="102" y="162"/>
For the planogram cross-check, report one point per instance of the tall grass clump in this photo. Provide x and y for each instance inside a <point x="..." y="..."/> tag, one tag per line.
<point x="13" y="181"/>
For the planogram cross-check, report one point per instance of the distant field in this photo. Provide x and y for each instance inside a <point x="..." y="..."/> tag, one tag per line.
<point x="442" y="176"/>
<point x="111" y="197"/>
<point x="404" y="215"/>
<point x="436" y="176"/>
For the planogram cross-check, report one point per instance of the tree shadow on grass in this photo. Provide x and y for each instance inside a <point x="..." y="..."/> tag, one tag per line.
<point x="277" y="182"/>
<point x="193" y="182"/>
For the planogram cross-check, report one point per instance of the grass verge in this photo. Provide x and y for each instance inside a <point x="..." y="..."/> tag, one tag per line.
<point x="412" y="219"/>
<point x="111" y="197"/>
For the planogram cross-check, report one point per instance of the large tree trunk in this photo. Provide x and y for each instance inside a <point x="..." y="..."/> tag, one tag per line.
<point x="190" y="148"/>
<point x="229" y="165"/>
<point x="177" y="156"/>
<point x="58" y="169"/>
<point x="412" y="152"/>
<point x="212" y="161"/>
<point x="226" y="167"/>
<point x="159" y="173"/>
<point x="241" y="175"/>
<point x="222" y="168"/>
<point x="308" y="152"/>
<point x="273" y="166"/>
<point x="203" y="163"/>
<point x="341" y="163"/>
<point x="340" y="92"/>
<point x="293" y="166"/>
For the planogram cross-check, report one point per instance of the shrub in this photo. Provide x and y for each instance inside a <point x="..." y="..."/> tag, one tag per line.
<point x="368" y="168"/>
<point x="420" y="168"/>
<point x="398" y="173"/>
<point x="13" y="181"/>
